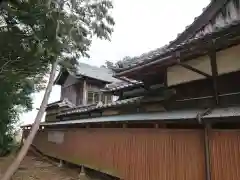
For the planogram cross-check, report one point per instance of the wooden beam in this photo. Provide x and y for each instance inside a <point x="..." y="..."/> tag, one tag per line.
<point x="195" y="70"/>
<point x="214" y="69"/>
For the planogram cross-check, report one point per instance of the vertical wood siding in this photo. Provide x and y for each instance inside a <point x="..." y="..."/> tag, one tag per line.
<point x="133" y="154"/>
<point x="225" y="155"/>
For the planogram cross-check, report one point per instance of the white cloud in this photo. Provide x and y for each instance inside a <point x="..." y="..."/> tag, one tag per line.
<point x="141" y="26"/>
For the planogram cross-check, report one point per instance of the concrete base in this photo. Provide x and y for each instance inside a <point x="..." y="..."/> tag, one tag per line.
<point x="82" y="175"/>
<point x="60" y="164"/>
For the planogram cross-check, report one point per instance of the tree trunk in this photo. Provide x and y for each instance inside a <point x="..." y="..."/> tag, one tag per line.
<point x="22" y="153"/>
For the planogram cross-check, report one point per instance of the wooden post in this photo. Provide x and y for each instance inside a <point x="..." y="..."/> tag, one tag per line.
<point x="84" y="101"/>
<point x="214" y="69"/>
<point x="207" y="151"/>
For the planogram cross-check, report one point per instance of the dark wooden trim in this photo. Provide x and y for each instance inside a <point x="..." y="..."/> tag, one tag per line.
<point x="194" y="70"/>
<point x="165" y="82"/>
<point x="214" y="69"/>
<point x="207" y="151"/>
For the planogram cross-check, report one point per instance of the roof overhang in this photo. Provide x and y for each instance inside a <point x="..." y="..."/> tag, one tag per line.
<point x="62" y="76"/>
<point x="171" y="116"/>
<point x="188" y="114"/>
<point x="218" y="40"/>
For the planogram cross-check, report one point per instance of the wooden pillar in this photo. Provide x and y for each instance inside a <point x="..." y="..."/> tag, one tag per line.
<point x="84" y="101"/>
<point x="207" y="151"/>
<point x="214" y="69"/>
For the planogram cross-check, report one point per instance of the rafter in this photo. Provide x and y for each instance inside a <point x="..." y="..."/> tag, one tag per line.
<point x="194" y="70"/>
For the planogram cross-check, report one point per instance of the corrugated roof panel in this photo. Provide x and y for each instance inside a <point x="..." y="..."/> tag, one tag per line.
<point x="173" y="115"/>
<point x="162" y="116"/>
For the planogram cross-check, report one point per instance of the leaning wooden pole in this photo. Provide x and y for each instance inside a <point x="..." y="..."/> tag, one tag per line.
<point x="22" y="153"/>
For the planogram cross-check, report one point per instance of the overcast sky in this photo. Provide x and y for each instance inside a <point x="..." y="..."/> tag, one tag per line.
<point x="141" y="26"/>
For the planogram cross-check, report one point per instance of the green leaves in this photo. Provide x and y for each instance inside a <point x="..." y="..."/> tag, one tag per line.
<point x="36" y="33"/>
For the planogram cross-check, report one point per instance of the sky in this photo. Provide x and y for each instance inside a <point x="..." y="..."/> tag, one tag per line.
<point x="141" y="26"/>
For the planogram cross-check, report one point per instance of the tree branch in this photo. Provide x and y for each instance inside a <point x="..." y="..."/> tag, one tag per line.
<point x="7" y="63"/>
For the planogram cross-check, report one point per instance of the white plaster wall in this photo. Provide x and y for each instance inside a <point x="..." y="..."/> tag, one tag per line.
<point x="228" y="60"/>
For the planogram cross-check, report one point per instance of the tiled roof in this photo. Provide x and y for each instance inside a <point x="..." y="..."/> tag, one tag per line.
<point x="100" y="73"/>
<point x="125" y="64"/>
<point x="161" y="52"/>
<point x="153" y="116"/>
<point x="86" y="70"/>
<point x="123" y="84"/>
<point x="61" y="103"/>
<point x="158" y="116"/>
<point x="82" y="109"/>
<point x="203" y="25"/>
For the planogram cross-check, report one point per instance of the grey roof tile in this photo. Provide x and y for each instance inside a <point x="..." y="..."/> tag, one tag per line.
<point x="81" y="109"/>
<point x="61" y="103"/>
<point x="150" y="56"/>
<point x="95" y="72"/>
<point x="122" y="85"/>
<point x="159" y="116"/>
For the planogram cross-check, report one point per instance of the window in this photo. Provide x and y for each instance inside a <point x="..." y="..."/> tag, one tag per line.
<point x="109" y="99"/>
<point x="93" y="97"/>
<point x="103" y="98"/>
<point x="96" y="97"/>
<point x="90" y="98"/>
<point x="106" y="98"/>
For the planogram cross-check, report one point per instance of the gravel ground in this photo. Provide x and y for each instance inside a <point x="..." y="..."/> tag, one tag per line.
<point x="38" y="169"/>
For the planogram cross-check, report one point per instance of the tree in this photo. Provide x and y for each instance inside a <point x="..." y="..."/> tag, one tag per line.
<point x="109" y="64"/>
<point x="19" y="78"/>
<point x="62" y="32"/>
<point x="15" y="97"/>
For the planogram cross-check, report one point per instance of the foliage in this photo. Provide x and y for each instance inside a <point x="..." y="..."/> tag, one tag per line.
<point x="15" y="97"/>
<point x="36" y="33"/>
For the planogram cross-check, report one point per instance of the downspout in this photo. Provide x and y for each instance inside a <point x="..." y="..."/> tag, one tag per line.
<point x="206" y="142"/>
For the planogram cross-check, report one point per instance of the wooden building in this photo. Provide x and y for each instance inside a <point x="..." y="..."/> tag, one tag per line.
<point x="177" y="116"/>
<point x="82" y="88"/>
